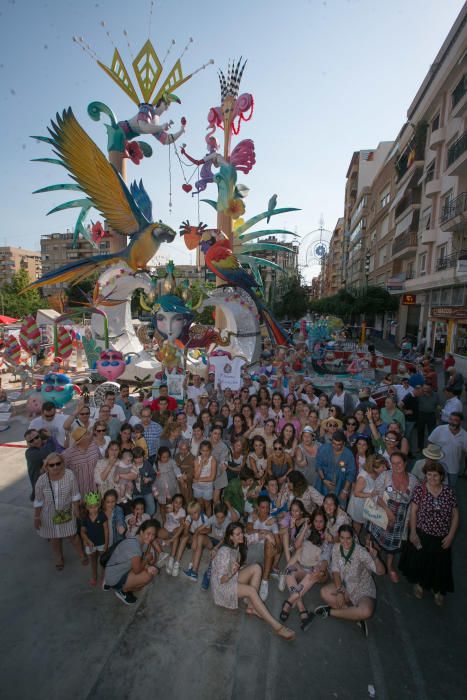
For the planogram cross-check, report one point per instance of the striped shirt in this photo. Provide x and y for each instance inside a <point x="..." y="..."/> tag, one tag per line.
<point x="152" y="434"/>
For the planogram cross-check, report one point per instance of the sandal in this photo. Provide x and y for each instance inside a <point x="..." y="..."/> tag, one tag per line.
<point x="285" y="633"/>
<point x="284" y="614"/>
<point x="305" y="621"/>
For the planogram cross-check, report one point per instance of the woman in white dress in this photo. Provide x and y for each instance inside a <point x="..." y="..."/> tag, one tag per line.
<point x="231" y="580"/>
<point x="364" y="488"/>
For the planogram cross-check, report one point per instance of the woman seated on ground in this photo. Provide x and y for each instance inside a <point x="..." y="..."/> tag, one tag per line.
<point x="364" y="488"/>
<point x="434" y="520"/>
<point x="335" y="517"/>
<point x="309" y="565"/>
<point x="300" y="488"/>
<point x="231" y="580"/>
<point x="352" y="594"/>
<point x="294" y="527"/>
<point x="132" y="565"/>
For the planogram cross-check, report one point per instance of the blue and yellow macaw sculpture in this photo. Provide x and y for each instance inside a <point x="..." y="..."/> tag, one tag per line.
<point x="222" y="262"/>
<point x="128" y="213"/>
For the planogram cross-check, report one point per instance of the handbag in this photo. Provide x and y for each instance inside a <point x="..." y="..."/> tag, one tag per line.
<point x="375" y="513"/>
<point x="64" y="514"/>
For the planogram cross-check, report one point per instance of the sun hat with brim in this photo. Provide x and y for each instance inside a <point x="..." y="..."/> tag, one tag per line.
<point x="79" y="433"/>
<point x="433" y="452"/>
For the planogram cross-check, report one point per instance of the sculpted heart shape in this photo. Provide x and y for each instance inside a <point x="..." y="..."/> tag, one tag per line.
<point x="186" y="187"/>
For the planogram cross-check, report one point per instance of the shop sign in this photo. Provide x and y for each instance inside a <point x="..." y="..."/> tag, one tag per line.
<point x="448" y="312"/>
<point x="409" y="299"/>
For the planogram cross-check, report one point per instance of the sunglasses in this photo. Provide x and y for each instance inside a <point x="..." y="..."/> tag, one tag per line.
<point x="333" y="425"/>
<point x="278" y="449"/>
<point x="100" y="430"/>
<point x="84" y="413"/>
<point x="54" y="464"/>
<point x="352" y="424"/>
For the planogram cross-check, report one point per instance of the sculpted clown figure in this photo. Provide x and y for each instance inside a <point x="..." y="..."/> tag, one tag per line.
<point x="147" y="121"/>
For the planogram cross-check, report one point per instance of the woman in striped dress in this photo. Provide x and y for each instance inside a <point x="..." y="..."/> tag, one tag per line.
<point x="56" y="507"/>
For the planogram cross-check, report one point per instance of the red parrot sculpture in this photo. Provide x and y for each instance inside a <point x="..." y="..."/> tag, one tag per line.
<point x="222" y="262"/>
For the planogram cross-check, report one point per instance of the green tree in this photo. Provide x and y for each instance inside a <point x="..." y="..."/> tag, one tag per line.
<point x="17" y="303"/>
<point x="292" y="302"/>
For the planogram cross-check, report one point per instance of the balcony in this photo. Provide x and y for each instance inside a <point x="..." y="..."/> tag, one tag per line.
<point x="450" y="261"/>
<point x="454" y="215"/>
<point x="457" y="157"/>
<point x="432" y="187"/>
<point x="405" y="245"/>
<point x="437" y="138"/>
<point x="428" y="235"/>
<point x="459" y="98"/>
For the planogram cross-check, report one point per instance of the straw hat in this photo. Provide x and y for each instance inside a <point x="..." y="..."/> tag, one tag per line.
<point x="433" y="452"/>
<point x="79" y="433"/>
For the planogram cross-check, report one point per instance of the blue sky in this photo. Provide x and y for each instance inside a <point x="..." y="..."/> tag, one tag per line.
<point x="328" y="77"/>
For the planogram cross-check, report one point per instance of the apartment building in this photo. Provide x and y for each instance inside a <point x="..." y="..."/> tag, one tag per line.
<point x="274" y="280"/>
<point x="436" y="266"/>
<point x="57" y="250"/>
<point x="405" y="220"/>
<point x="333" y="261"/>
<point x="15" y="259"/>
<point x="361" y="173"/>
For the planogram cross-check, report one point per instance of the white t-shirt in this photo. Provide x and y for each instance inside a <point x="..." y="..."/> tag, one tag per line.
<point x="451" y="406"/>
<point x="116" y="412"/>
<point x="453" y="446"/>
<point x="173" y="520"/>
<point x="338" y="401"/>
<point x="196" y="524"/>
<point x="54" y="426"/>
<point x="194" y="392"/>
<point x="258" y="525"/>
<point x="218" y="531"/>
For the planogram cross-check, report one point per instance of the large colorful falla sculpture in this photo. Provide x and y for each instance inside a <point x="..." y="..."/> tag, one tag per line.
<point x="230" y="249"/>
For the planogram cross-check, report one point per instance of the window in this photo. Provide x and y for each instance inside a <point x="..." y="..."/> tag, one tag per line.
<point x="384" y="226"/>
<point x="383" y="254"/>
<point x="385" y="197"/>
<point x="422" y="264"/>
<point x="426" y="218"/>
<point x="458" y="296"/>
<point x="442" y="252"/>
<point x="435" y="123"/>
<point x="446" y="295"/>
<point x="435" y="297"/>
<point x="410" y="271"/>
<point x="430" y="172"/>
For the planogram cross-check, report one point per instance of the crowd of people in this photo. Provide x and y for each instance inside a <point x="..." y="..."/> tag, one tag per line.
<point x="279" y="481"/>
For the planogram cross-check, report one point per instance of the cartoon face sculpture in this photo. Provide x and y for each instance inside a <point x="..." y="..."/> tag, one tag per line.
<point x="171" y="324"/>
<point x="111" y="364"/>
<point x="57" y="388"/>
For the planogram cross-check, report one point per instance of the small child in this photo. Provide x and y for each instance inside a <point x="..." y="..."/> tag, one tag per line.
<point x="136" y="517"/>
<point x="125" y="475"/>
<point x="94" y="531"/>
<point x="167" y="476"/>
<point x="173" y="528"/>
<point x="195" y="525"/>
<point x="140" y="440"/>
<point x="146" y="477"/>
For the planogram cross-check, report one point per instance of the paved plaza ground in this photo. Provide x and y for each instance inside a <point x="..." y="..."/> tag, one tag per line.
<point x="61" y="638"/>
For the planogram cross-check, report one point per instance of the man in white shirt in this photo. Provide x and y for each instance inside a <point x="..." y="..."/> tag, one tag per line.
<point x="194" y="391"/>
<point x="402" y="390"/>
<point x="342" y="399"/>
<point x="51" y="421"/>
<point x="452" y="439"/>
<point x="453" y="405"/>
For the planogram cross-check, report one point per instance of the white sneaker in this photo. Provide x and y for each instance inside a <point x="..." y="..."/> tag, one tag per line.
<point x="170" y="565"/>
<point x="264" y="590"/>
<point x="176" y="568"/>
<point x="282" y="583"/>
<point x="162" y="559"/>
